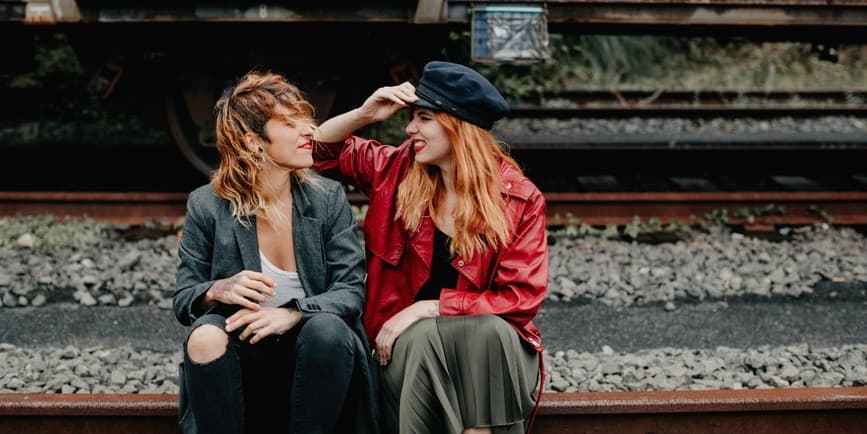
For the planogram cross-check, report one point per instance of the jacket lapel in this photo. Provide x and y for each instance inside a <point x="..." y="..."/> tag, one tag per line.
<point x="248" y="243"/>
<point x="308" y="242"/>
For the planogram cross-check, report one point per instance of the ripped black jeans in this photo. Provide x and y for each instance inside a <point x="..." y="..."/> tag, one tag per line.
<point x="293" y="383"/>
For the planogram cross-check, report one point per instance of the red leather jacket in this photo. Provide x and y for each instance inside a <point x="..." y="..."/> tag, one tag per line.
<point x="509" y="282"/>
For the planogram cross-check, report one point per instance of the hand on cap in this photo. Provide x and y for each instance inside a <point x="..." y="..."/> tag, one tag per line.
<point x="386" y="101"/>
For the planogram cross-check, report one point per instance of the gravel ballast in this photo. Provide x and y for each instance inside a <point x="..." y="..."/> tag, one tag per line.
<point x="648" y="281"/>
<point x="714" y="265"/>
<point x="126" y="370"/>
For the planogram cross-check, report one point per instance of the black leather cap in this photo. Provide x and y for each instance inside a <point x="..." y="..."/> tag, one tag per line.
<point x="462" y="92"/>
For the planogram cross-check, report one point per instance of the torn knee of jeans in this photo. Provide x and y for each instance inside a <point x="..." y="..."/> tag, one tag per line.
<point x="206" y="344"/>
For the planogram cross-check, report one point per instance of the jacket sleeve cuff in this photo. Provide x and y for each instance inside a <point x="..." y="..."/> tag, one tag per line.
<point x="194" y="309"/>
<point x="452" y="302"/>
<point x="305" y="306"/>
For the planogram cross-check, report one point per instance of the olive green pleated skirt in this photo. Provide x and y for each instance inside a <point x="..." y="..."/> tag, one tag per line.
<point x="452" y="373"/>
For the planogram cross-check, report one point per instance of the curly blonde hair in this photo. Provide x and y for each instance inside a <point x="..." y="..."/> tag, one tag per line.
<point x="242" y="109"/>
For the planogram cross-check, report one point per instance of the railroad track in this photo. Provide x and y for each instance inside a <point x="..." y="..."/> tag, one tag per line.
<point x="614" y="103"/>
<point x="584" y="174"/>
<point x="831" y="410"/>
<point x="748" y="208"/>
<point x="639" y="119"/>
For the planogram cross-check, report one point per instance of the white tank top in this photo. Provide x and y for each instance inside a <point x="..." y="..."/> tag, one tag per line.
<point x="288" y="285"/>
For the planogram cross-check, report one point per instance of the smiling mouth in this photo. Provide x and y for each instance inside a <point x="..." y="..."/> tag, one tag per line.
<point x="418" y="145"/>
<point x="308" y="145"/>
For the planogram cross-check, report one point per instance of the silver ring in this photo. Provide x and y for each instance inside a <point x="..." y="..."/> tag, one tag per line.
<point x="373" y="353"/>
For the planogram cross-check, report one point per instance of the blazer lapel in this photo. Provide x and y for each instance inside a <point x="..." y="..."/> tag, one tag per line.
<point x="308" y="242"/>
<point x="248" y="244"/>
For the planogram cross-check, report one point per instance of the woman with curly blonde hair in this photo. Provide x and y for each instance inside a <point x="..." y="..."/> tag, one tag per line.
<point x="271" y="280"/>
<point x="457" y="256"/>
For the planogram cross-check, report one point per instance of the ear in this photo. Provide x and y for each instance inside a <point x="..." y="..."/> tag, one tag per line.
<point x="251" y="141"/>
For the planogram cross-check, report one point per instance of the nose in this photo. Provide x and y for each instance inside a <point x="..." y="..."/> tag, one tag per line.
<point x="411" y="128"/>
<point x="308" y="130"/>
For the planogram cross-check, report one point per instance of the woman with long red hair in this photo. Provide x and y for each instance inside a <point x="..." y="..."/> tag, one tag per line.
<point x="456" y="256"/>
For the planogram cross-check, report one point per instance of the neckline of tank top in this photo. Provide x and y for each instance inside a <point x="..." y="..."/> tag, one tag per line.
<point x="275" y="268"/>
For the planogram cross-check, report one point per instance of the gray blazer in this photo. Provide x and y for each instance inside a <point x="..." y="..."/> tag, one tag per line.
<point x="328" y="255"/>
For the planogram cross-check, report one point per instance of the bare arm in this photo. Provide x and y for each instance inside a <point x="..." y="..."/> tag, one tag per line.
<point x="379" y="106"/>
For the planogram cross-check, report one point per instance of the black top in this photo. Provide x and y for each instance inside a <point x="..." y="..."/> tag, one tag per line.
<point x="442" y="274"/>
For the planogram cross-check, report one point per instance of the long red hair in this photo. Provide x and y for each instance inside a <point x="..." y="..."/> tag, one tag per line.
<point x="480" y="214"/>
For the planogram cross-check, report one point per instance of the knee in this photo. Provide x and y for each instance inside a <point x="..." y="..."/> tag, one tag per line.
<point x="422" y="330"/>
<point x="207" y="343"/>
<point x="325" y="335"/>
<point x="493" y="328"/>
<point x="423" y="337"/>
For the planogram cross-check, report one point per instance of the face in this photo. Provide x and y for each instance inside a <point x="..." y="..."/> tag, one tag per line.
<point x="430" y="142"/>
<point x="291" y="138"/>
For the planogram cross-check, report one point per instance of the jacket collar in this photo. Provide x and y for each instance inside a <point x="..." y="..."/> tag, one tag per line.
<point x="303" y="232"/>
<point x="513" y="183"/>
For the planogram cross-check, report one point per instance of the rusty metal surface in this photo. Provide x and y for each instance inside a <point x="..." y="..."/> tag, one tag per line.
<point x="625" y="13"/>
<point x="705" y="401"/>
<point x="697" y="13"/>
<point x="815" y="410"/>
<point x="89" y="425"/>
<point x="88" y="405"/>
<point x="790" y="422"/>
<point x="88" y="414"/>
<point x="818" y="410"/>
<point x="846" y="208"/>
<point x="126" y="208"/>
<point x="620" y="208"/>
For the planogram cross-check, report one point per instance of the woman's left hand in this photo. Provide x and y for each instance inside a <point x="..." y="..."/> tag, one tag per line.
<point x="396" y="325"/>
<point x="263" y="322"/>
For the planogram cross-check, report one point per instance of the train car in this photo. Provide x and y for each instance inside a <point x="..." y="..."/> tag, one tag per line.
<point x="338" y="51"/>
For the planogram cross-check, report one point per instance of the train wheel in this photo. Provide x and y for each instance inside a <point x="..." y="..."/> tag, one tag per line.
<point x="191" y="131"/>
<point x="191" y="117"/>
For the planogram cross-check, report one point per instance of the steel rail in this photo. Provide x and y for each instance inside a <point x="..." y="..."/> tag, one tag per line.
<point x="713" y="411"/>
<point x="681" y="111"/>
<point x="693" y="103"/>
<point x="704" y="95"/>
<point x="756" y="141"/>
<point x="847" y="208"/>
<point x="123" y="208"/>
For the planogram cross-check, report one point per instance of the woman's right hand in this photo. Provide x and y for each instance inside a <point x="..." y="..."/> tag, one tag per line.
<point x="246" y="289"/>
<point x="386" y="101"/>
<point x="379" y="106"/>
